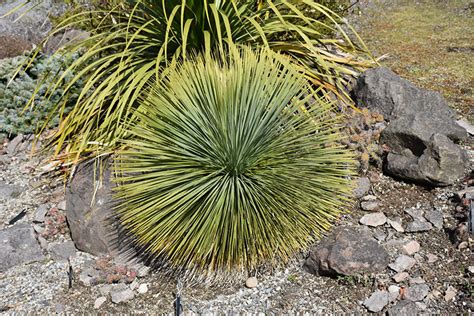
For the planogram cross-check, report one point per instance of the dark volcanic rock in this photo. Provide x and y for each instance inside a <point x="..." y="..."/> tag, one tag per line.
<point x="347" y="252"/>
<point x="88" y="210"/>
<point x="421" y="131"/>
<point x="441" y="163"/>
<point x="383" y="91"/>
<point x="18" y="246"/>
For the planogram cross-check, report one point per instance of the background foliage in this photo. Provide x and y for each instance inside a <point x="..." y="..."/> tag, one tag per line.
<point x="16" y="91"/>
<point x="133" y="41"/>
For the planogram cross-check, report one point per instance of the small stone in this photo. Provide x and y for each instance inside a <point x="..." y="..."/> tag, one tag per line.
<point x="418" y="257"/>
<point x="411" y="247"/>
<point x="61" y="205"/>
<point x="14" y="144"/>
<point x="415" y="213"/>
<point x="369" y="197"/>
<point x="399" y="277"/>
<point x="99" y="301"/>
<point x="63" y="250"/>
<point x="466" y="125"/>
<point x="374" y="219"/>
<point x="362" y="187"/>
<point x="18" y="246"/>
<point x="402" y="263"/>
<point x="435" y="217"/>
<point x="143" y="288"/>
<point x="380" y="235"/>
<point x="105" y="289"/>
<point x="86" y="279"/>
<point x="377" y="301"/>
<point x="417" y="280"/>
<point x="431" y="258"/>
<point x="421" y="306"/>
<point x="470" y="269"/>
<point x="405" y="308"/>
<point x="41" y="212"/>
<point x="436" y="293"/>
<point x="418" y="226"/>
<point x="396" y="225"/>
<point x="369" y="205"/>
<point x="463" y="245"/>
<point x="43" y="243"/>
<point x="450" y="294"/>
<point x="251" y="282"/>
<point x="394" y="292"/>
<point x="122" y="296"/>
<point x="59" y="308"/>
<point x="134" y="285"/>
<point x="417" y="292"/>
<point x="38" y="229"/>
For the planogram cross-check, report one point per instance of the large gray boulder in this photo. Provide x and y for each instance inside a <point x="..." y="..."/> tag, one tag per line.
<point x="382" y="90"/>
<point x="89" y="209"/>
<point x="347" y="251"/>
<point x="34" y="23"/>
<point x="441" y="163"/>
<point x="422" y="130"/>
<point x="18" y="246"/>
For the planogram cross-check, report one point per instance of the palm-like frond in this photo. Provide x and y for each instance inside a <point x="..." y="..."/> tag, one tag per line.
<point x="132" y="40"/>
<point x="231" y="163"/>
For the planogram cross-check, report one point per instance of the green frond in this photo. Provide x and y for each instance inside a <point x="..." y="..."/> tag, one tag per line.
<point x="133" y="42"/>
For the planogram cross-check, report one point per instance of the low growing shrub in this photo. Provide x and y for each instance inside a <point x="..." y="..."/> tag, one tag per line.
<point x="17" y="90"/>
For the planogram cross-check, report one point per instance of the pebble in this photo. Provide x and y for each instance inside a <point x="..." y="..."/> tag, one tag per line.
<point x="374" y="219"/>
<point x="62" y="205"/>
<point x="405" y="308"/>
<point x="143" y="288"/>
<point x="40" y="213"/>
<point x="43" y="242"/>
<point x="369" y="205"/>
<point x="411" y="247"/>
<point x="99" y="301"/>
<point x="59" y="308"/>
<point x="435" y="217"/>
<point x="369" y="197"/>
<point x="402" y="263"/>
<point x="399" y="277"/>
<point x="417" y="292"/>
<point x="470" y="269"/>
<point x="251" y="282"/>
<point x="122" y="296"/>
<point x="85" y="278"/>
<point x="431" y="258"/>
<point x="450" y="294"/>
<point x="418" y="226"/>
<point x="394" y="292"/>
<point x="421" y="306"/>
<point x="463" y="245"/>
<point x="417" y="280"/>
<point x="415" y="213"/>
<point x="396" y="225"/>
<point x="362" y="187"/>
<point x="62" y="250"/>
<point x="377" y="301"/>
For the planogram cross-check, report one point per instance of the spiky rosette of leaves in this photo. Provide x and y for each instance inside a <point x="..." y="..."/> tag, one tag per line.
<point x="230" y="164"/>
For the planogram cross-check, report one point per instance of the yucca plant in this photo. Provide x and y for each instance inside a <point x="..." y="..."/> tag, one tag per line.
<point x="232" y="163"/>
<point x="131" y="40"/>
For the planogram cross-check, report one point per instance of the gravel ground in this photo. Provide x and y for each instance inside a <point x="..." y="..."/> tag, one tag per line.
<point x="43" y="286"/>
